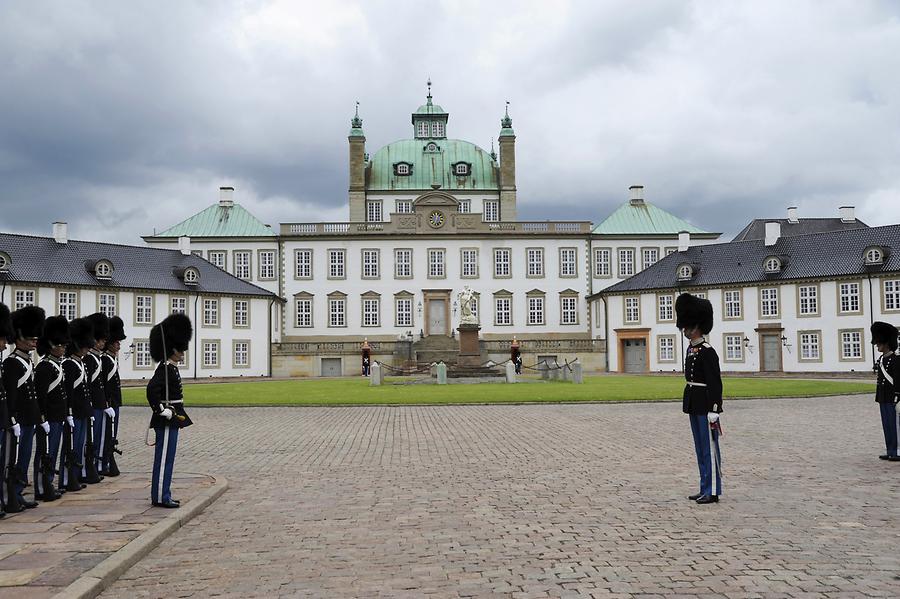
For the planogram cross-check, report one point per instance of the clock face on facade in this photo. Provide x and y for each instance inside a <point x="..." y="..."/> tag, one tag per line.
<point x="436" y="219"/>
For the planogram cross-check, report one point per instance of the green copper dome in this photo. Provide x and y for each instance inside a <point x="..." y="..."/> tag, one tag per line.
<point x="430" y="108"/>
<point x="432" y="166"/>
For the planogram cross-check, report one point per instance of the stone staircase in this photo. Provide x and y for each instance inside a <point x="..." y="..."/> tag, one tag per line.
<point x="436" y="348"/>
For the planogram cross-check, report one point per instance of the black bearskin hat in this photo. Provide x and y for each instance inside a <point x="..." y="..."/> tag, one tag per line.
<point x="692" y="311"/>
<point x="6" y="330"/>
<point x="27" y="322"/>
<point x="81" y="335"/>
<point x="883" y="332"/>
<point x="116" y="330"/>
<point x="100" y="322"/>
<point x="56" y="332"/>
<point x="173" y="333"/>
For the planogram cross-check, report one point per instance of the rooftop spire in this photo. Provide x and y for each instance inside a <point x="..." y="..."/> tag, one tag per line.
<point x="506" y="123"/>
<point x="429" y="91"/>
<point x="356" y="124"/>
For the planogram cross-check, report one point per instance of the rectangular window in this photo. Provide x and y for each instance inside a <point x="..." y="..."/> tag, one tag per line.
<point x="423" y="128"/>
<point x="808" y="298"/>
<point x="242" y="265"/>
<point x="373" y="211"/>
<point x="68" y="305"/>
<point x="337" y="312"/>
<point x="892" y="294"/>
<point x="106" y="304"/>
<point x="241" y="313"/>
<point x="437" y="129"/>
<point x="535" y="261"/>
<point x="568" y="310"/>
<point x="535" y="310"/>
<point x="210" y="312"/>
<point x="371" y="307"/>
<point x="403" y="263"/>
<point x="568" y="264"/>
<point x="473" y="306"/>
<point x="304" y="316"/>
<point x="465" y="206"/>
<point x="469" y="257"/>
<point x="665" y="308"/>
<point x="666" y="349"/>
<point x="143" y="309"/>
<point x="810" y="346"/>
<point x="436" y="264"/>
<point x="337" y="261"/>
<point x="303" y="264"/>
<point x="179" y="305"/>
<point x="267" y="265"/>
<point x="732" y="303"/>
<point x="404" y="206"/>
<point x="491" y="211"/>
<point x="503" y="311"/>
<point x="241" y="354"/>
<point x="849" y="293"/>
<point x="370" y="265"/>
<point x="601" y="262"/>
<point x="734" y="348"/>
<point x="632" y="310"/>
<point x="626" y="263"/>
<point x="217" y="258"/>
<point x="649" y="257"/>
<point x="403" y="311"/>
<point x="142" y="354"/>
<point x="502" y="262"/>
<point x="24" y="297"/>
<point x="210" y="354"/>
<point x="851" y="345"/>
<point x="768" y="301"/>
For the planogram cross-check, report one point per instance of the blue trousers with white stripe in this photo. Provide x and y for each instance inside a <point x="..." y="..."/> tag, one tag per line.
<point x="706" y="445"/>
<point x="163" y="463"/>
<point x="889" y="424"/>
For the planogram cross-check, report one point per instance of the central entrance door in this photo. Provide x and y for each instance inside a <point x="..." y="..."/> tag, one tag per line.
<point x="437" y="317"/>
<point x="771" y="353"/>
<point x="635" y="351"/>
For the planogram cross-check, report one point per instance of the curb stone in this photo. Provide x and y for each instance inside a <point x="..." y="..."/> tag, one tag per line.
<point x="100" y="577"/>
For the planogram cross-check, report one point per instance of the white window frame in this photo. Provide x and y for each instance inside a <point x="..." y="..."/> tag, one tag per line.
<point x="105" y="306"/>
<point x="491" y="211"/>
<point x="653" y="258"/>
<point x="665" y="307"/>
<point x="568" y="262"/>
<point x="851" y="340"/>
<point x="241" y="313"/>
<point x="568" y="309"/>
<point x="602" y="261"/>
<point x="337" y="263"/>
<point x="236" y="353"/>
<point x="465" y="206"/>
<point x="632" y="308"/>
<point x="403" y="170"/>
<point x="210" y="312"/>
<point x="807" y="300"/>
<point x="768" y="302"/>
<point x="437" y="263"/>
<point x="536" y="310"/>
<point x="734" y="309"/>
<point x="303" y="263"/>
<point x="371" y="263"/>
<point x="22" y="298"/>
<point x="243" y="269"/>
<point x="371" y="311"/>
<point x="890" y="295"/>
<point x="534" y="260"/>
<point x="180" y="308"/>
<point x="303" y="312"/>
<point x="218" y="258"/>
<point x="626" y="262"/>
<point x="337" y="312"/>
<point x="211" y="349"/>
<point x="810" y="349"/>
<point x="423" y="129"/>
<point x="267" y="265"/>
<point x="67" y="301"/>
<point x="374" y="211"/>
<point x="503" y="310"/>
<point x="142" y="359"/>
<point x="469" y="263"/>
<point x="849" y="297"/>
<point x="143" y="310"/>
<point x="403" y="206"/>
<point x="665" y="348"/>
<point x="437" y="129"/>
<point x="403" y="263"/>
<point x="403" y="311"/>
<point x="502" y="263"/>
<point x="734" y="348"/>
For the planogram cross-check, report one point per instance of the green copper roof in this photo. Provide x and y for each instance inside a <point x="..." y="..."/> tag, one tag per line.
<point x="432" y="167"/>
<point x="430" y="109"/>
<point x="643" y="219"/>
<point x="217" y="221"/>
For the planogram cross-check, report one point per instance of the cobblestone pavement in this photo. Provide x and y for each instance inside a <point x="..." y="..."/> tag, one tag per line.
<point x="532" y="501"/>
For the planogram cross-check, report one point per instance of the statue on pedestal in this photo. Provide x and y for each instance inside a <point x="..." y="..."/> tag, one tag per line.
<point x="465" y="298"/>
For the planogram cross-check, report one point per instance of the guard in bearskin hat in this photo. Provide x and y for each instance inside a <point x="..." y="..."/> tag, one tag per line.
<point x="887" y="392"/>
<point x="168" y="342"/>
<point x="51" y="393"/>
<point x="18" y="379"/>
<point x="73" y="467"/>
<point x="93" y="364"/>
<point x="8" y="430"/>
<point x="702" y="393"/>
<point x="113" y="387"/>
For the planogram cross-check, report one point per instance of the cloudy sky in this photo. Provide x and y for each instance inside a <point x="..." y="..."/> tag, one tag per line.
<point x="119" y="117"/>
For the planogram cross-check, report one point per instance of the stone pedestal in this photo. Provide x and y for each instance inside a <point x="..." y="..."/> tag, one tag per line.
<point x="375" y="378"/>
<point x="441" y="374"/>
<point x="577" y="373"/>
<point x="469" y="349"/>
<point x="510" y="372"/>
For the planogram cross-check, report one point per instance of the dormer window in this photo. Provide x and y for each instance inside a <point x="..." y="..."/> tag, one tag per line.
<point x="685" y="272"/>
<point x="462" y="169"/>
<point x="874" y="256"/>
<point x="772" y="264"/>
<point x="191" y="276"/>
<point x="403" y="169"/>
<point x="5" y="261"/>
<point x="103" y="269"/>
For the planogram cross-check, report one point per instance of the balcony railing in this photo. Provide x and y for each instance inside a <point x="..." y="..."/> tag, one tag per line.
<point x="391" y="347"/>
<point x="459" y="223"/>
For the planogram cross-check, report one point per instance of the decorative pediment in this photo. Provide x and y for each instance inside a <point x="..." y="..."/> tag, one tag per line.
<point x="371" y="293"/>
<point x="436" y="198"/>
<point x="403" y="293"/>
<point x="303" y="294"/>
<point x="569" y="291"/>
<point x="337" y="294"/>
<point x="503" y="292"/>
<point x="535" y="292"/>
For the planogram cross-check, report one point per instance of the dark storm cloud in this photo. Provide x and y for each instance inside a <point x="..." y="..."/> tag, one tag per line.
<point x="125" y="117"/>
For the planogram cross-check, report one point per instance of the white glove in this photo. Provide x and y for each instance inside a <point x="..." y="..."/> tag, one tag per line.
<point x="110" y="412"/>
<point x="712" y="417"/>
<point x="92" y="420"/>
<point x="17" y="430"/>
<point x="46" y="426"/>
<point x="70" y="421"/>
<point x="897" y="407"/>
<point x="167" y="414"/>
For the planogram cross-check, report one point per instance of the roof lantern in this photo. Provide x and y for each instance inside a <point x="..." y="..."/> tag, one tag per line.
<point x="430" y="119"/>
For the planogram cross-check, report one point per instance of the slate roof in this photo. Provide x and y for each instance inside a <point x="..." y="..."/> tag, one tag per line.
<point x="41" y="260"/>
<point x="818" y="255"/>
<point x="756" y="229"/>
<point x="219" y="221"/>
<point x="644" y="219"/>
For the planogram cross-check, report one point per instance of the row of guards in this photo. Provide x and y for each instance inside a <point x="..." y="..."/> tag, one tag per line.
<point x="515" y="356"/>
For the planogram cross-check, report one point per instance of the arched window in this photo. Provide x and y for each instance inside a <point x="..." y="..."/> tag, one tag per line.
<point x="874" y="256"/>
<point x="772" y="264"/>
<point x="685" y="272"/>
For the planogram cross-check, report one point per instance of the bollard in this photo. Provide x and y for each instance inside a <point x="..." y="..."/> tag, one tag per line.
<point x="564" y="371"/>
<point x="441" y="374"/>
<point x="577" y="373"/>
<point x="375" y="375"/>
<point x="510" y="372"/>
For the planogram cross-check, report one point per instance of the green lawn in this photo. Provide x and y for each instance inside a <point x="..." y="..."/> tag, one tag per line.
<point x="356" y="391"/>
